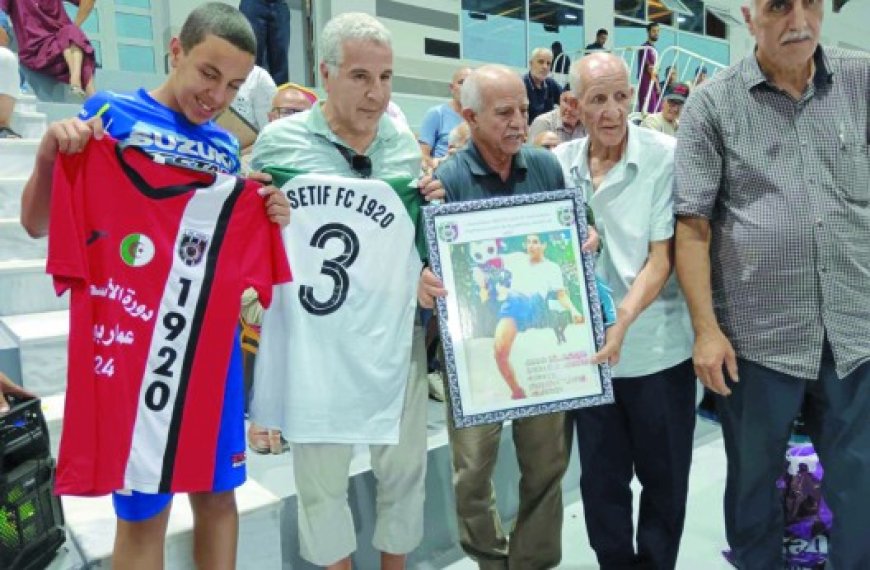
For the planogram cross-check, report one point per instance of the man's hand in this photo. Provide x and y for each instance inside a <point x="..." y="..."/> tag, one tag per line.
<point x="612" y="348"/>
<point x="69" y="136"/>
<point x="10" y="388"/>
<point x="428" y="288"/>
<point x="592" y="240"/>
<point x="711" y="352"/>
<point x="431" y="188"/>
<point x="277" y="206"/>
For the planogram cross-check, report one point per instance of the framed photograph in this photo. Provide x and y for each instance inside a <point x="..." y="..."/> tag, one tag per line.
<point x="522" y="316"/>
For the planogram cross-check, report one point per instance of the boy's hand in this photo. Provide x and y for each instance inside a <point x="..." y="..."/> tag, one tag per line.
<point x="69" y="136"/>
<point x="277" y="206"/>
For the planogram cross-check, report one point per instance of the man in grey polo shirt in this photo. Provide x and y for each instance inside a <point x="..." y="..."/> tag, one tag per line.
<point x="495" y="163"/>
<point x="773" y="253"/>
<point x="564" y="120"/>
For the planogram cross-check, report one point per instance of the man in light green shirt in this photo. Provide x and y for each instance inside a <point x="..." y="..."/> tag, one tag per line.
<point x="350" y="135"/>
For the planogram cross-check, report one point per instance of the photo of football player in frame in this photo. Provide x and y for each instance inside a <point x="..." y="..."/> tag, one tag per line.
<point x="522" y="317"/>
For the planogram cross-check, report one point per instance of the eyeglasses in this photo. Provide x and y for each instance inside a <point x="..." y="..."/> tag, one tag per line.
<point x="359" y="163"/>
<point x="281" y="112"/>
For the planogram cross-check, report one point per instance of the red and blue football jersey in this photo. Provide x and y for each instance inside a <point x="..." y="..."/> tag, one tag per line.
<point x="156" y="258"/>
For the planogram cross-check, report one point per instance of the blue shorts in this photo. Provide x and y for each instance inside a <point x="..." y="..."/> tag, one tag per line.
<point x="527" y="311"/>
<point x="229" y="469"/>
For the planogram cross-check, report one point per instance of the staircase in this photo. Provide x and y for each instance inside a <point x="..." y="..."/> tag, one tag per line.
<point x="32" y="317"/>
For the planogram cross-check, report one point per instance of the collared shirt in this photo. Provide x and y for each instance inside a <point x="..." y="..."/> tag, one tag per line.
<point x="543" y="98"/>
<point x="552" y="121"/>
<point x="305" y="141"/>
<point x="657" y="122"/>
<point x="786" y="187"/>
<point x="466" y="176"/>
<point x="633" y="207"/>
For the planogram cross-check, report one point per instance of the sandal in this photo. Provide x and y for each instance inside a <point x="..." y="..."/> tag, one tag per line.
<point x="78" y="91"/>
<point x="8" y="133"/>
<point x="265" y="441"/>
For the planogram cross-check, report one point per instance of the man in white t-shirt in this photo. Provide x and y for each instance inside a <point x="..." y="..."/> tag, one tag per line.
<point x="533" y="278"/>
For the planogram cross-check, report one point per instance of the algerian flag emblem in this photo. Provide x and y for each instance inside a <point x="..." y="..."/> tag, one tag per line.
<point x="137" y="250"/>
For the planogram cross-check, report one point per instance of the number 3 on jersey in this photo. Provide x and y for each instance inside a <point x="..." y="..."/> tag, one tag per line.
<point x="335" y="268"/>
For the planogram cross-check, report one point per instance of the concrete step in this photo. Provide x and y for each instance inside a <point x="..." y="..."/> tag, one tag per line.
<point x="91" y="525"/>
<point x="10" y="196"/>
<point x="17" y="157"/>
<point x="26" y="102"/>
<point x="42" y="349"/>
<point x="15" y="244"/>
<point x="28" y="124"/>
<point x="27" y="289"/>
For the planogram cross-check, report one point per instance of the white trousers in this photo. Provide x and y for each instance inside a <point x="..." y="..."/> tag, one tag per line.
<point x="326" y="531"/>
<point x="9" y="73"/>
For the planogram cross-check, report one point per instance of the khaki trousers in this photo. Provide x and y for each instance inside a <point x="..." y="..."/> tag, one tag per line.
<point x="326" y="531"/>
<point x="541" y="444"/>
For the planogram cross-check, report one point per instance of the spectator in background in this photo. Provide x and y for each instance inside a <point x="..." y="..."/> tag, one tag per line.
<point x="52" y="44"/>
<point x="271" y="22"/>
<point x="561" y="61"/>
<point x="668" y="119"/>
<point x="288" y="100"/>
<point x="541" y="89"/>
<point x="8" y="81"/>
<point x="670" y="77"/>
<point x="10" y="388"/>
<point x="441" y="119"/>
<point x="648" y="83"/>
<point x="700" y="76"/>
<point x="459" y="137"/>
<point x="564" y="120"/>
<point x="291" y="99"/>
<point x="600" y="41"/>
<point x="254" y="98"/>
<point x="546" y="139"/>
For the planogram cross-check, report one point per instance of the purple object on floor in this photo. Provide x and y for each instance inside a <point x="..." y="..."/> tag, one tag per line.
<point x="807" y="517"/>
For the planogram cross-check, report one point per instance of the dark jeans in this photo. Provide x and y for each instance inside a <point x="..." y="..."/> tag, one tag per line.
<point x="756" y="423"/>
<point x="648" y="431"/>
<point x="271" y="22"/>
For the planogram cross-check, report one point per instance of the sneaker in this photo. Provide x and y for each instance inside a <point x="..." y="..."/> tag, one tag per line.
<point x="436" y="386"/>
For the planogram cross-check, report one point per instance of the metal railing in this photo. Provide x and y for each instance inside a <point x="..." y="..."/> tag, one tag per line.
<point x="685" y="62"/>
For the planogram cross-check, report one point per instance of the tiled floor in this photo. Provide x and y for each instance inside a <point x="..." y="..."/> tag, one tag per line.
<point x="704" y="535"/>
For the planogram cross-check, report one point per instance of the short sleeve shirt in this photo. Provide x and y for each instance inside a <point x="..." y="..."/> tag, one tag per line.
<point x="435" y="129"/>
<point x="633" y="207"/>
<point x="529" y="278"/>
<point x="785" y="185"/>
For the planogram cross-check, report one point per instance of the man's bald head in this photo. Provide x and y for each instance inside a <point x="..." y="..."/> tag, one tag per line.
<point x="484" y="79"/>
<point x="456" y="82"/>
<point x="287" y="102"/>
<point x="595" y="65"/>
